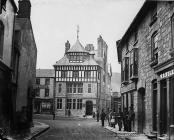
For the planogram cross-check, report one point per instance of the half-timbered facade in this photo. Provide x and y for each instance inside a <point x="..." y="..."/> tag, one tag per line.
<point x="78" y="81"/>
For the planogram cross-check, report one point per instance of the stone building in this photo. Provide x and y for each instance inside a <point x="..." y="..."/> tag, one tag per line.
<point x="43" y="102"/>
<point x="24" y="61"/>
<point x="8" y="10"/>
<point x="147" y="73"/>
<point x="81" y="80"/>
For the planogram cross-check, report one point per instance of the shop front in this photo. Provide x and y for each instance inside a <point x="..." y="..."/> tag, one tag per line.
<point x="166" y="100"/>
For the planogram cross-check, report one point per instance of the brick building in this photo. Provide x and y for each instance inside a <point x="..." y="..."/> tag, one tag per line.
<point x="43" y="102"/>
<point x="82" y="79"/>
<point x="147" y="74"/>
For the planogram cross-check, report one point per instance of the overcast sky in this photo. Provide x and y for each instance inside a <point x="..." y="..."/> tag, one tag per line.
<point x="55" y="21"/>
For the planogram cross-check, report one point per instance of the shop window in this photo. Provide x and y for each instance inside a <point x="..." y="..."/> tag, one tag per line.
<point x="46" y="92"/>
<point x="37" y="81"/>
<point x="89" y="88"/>
<point x="125" y="70"/>
<point x="79" y="103"/>
<point x="69" y="101"/>
<point x="47" y="81"/>
<point x="1" y="38"/>
<point x="154" y="49"/>
<point x="60" y="88"/>
<point x="134" y="64"/>
<point x="74" y="103"/>
<point x="59" y="103"/>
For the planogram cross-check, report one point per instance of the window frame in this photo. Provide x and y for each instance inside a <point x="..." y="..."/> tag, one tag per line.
<point x="59" y="103"/>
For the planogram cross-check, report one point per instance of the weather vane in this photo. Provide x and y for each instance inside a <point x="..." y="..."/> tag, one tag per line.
<point x="77" y="31"/>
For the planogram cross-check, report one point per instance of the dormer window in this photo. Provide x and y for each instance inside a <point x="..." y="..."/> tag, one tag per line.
<point x="76" y="57"/>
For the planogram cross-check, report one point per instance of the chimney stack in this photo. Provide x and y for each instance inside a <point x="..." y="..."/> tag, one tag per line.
<point x="67" y="46"/>
<point x="24" y="9"/>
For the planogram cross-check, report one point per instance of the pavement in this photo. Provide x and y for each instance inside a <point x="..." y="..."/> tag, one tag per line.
<point x="34" y="131"/>
<point x="127" y="135"/>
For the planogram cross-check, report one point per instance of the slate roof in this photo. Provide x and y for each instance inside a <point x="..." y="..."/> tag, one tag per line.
<point x="77" y="47"/>
<point x="45" y="73"/>
<point x="65" y="61"/>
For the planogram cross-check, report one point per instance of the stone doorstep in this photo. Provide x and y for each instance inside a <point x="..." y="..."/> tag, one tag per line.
<point x="128" y="135"/>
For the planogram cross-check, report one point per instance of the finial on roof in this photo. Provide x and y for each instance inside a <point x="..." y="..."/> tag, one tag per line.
<point x="77" y="32"/>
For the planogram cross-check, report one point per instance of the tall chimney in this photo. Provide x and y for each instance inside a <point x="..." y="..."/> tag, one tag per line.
<point x="24" y="9"/>
<point x="67" y="46"/>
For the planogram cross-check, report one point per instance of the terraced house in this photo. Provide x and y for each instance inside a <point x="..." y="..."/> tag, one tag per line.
<point x="82" y="79"/>
<point x="146" y="54"/>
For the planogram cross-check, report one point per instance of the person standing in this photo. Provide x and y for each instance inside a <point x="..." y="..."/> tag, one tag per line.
<point x="97" y="116"/>
<point x="103" y="115"/>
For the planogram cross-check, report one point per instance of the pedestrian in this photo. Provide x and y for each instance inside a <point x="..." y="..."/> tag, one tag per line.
<point x="112" y="120"/>
<point x="69" y="112"/>
<point x="125" y="119"/>
<point x="103" y="115"/>
<point x="131" y="117"/>
<point x="97" y="116"/>
<point x="120" y="117"/>
<point x="54" y="115"/>
<point x="93" y="114"/>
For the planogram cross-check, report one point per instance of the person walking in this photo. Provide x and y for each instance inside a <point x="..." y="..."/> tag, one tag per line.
<point x="120" y="117"/>
<point x="125" y="119"/>
<point x="103" y="115"/>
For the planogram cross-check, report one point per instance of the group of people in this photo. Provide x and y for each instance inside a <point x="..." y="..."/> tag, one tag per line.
<point x="123" y="119"/>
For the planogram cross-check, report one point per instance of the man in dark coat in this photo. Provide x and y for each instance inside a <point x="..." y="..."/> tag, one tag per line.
<point x="103" y="115"/>
<point x="120" y="117"/>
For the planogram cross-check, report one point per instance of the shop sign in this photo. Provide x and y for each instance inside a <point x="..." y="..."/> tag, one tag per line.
<point x="128" y="87"/>
<point x="167" y="74"/>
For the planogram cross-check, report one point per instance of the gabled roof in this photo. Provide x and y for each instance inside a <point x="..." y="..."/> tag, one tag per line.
<point x="77" y="47"/>
<point x="45" y="73"/>
<point x="65" y="61"/>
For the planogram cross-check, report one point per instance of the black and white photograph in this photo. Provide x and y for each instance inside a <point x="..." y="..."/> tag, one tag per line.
<point x="86" y="70"/>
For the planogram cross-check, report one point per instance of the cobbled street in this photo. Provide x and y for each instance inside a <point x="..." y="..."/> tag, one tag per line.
<point x="74" y="129"/>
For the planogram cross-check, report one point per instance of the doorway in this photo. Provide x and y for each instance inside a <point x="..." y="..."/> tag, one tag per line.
<point x="163" y="107"/>
<point x="141" y="109"/>
<point x="89" y="107"/>
<point x="154" y="105"/>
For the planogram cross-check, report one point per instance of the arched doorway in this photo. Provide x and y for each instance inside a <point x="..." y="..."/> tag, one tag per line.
<point x="141" y="109"/>
<point x="89" y="107"/>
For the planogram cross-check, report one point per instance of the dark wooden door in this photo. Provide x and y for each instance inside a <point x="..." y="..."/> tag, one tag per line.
<point x="141" y="109"/>
<point x="89" y="107"/>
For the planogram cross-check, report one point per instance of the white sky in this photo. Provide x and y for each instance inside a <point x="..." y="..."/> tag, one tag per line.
<point x="55" y="21"/>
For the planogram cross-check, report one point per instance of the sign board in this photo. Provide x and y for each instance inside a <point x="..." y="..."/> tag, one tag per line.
<point x="128" y="87"/>
<point x="167" y="74"/>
